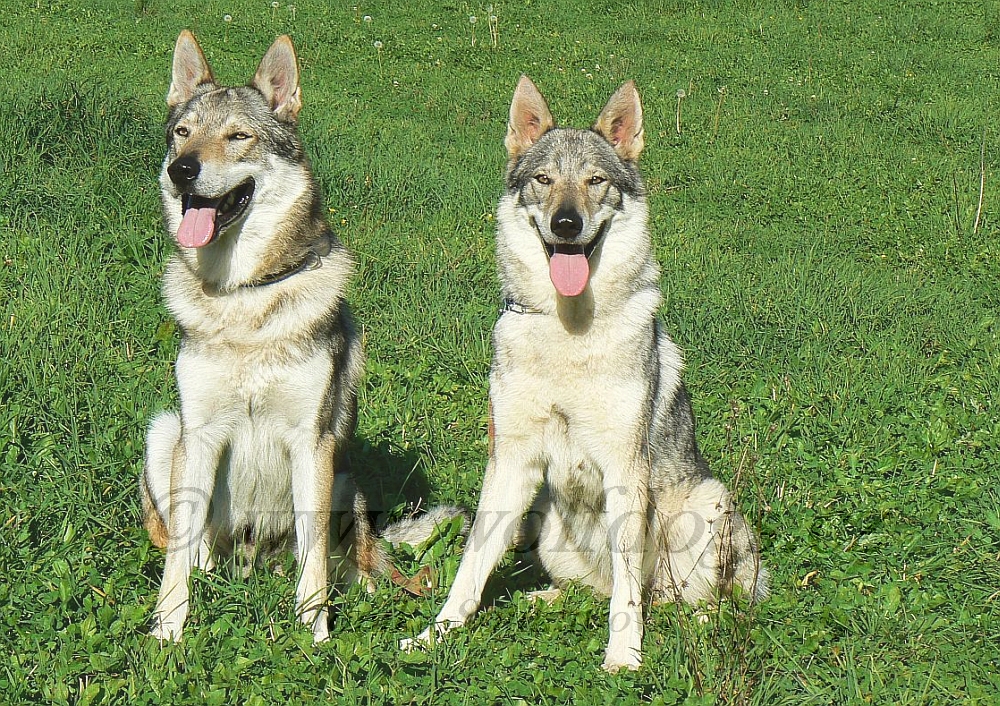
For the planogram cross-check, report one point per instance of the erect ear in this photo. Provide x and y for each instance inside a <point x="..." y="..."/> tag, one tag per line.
<point x="277" y="78"/>
<point x="620" y="123"/>
<point x="191" y="71"/>
<point x="529" y="118"/>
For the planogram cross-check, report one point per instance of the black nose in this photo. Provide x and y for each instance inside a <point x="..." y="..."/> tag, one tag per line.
<point x="566" y="223"/>
<point x="184" y="170"/>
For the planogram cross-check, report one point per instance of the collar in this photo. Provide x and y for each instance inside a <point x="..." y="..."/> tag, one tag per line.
<point x="312" y="260"/>
<point x="509" y="304"/>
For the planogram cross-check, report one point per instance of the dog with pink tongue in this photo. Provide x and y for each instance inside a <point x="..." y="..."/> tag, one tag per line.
<point x="593" y="460"/>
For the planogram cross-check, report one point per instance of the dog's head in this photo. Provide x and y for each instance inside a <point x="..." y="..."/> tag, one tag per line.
<point x="573" y="182"/>
<point x="220" y="139"/>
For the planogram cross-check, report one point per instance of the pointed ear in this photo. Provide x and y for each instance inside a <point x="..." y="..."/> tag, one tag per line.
<point x="620" y="123"/>
<point x="191" y="71"/>
<point x="277" y="78"/>
<point x="529" y="118"/>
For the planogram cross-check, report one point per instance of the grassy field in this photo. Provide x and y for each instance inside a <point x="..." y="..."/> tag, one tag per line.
<point x="825" y="205"/>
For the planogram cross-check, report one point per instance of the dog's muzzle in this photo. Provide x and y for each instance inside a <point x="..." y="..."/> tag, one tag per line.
<point x="204" y="218"/>
<point x="184" y="170"/>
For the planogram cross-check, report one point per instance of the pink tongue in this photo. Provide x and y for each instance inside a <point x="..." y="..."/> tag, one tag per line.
<point x="197" y="227"/>
<point x="569" y="273"/>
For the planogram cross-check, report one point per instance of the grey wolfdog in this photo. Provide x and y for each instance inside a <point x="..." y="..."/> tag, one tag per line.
<point x="269" y="361"/>
<point x="592" y="429"/>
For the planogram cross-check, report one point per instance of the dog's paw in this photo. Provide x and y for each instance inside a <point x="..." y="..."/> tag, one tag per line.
<point x="428" y="636"/>
<point x="545" y="596"/>
<point x="409" y="644"/>
<point x="318" y="622"/>
<point x="614" y="662"/>
<point x="320" y="625"/>
<point x="164" y="631"/>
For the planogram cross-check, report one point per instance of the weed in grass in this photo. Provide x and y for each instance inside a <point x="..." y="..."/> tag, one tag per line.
<point x="494" y="26"/>
<point x="681" y="95"/>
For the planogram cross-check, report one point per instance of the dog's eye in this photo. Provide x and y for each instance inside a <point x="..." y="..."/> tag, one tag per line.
<point x="543" y="179"/>
<point x="596" y="180"/>
<point x="240" y="135"/>
<point x="181" y="131"/>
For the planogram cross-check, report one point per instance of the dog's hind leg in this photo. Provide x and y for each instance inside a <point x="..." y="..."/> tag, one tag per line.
<point x="312" y="491"/>
<point x="740" y="559"/>
<point x="356" y="555"/>
<point x="708" y="547"/>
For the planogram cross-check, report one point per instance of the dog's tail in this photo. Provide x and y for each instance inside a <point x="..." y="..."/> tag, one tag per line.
<point x="369" y="553"/>
<point x="418" y="529"/>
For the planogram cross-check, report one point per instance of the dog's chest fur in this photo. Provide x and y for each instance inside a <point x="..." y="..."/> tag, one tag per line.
<point x="256" y="369"/>
<point x="570" y="400"/>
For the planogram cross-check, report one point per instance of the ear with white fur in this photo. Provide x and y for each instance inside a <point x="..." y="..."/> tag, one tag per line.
<point x="620" y="123"/>
<point x="191" y="71"/>
<point x="529" y="118"/>
<point x="277" y="78"/>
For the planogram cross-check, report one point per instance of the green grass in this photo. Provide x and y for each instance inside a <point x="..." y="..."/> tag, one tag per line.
<point x="838" y="306"/>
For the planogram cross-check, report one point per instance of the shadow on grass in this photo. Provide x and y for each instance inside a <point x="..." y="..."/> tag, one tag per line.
<point x="392" y="480"/>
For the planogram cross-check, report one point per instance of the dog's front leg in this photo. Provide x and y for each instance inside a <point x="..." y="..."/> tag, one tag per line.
<point x="192" y="479"/>
<point x="626" y="501"/>
<point x="312" y="493"/>
<point x="508" y="490"/>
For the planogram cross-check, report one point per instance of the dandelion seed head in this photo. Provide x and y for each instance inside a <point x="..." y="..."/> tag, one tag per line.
<point x="681" y="93"/>
<point x="473" y="19"/>
<point x="275" y="4"/>
<point x="377" y="44"/>
<point x="227" y="18"/>
<point x="367" y="18"/>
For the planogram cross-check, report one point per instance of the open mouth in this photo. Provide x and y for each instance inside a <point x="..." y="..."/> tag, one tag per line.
<point x="203" y="219"/>
<point x="569" y="264"/>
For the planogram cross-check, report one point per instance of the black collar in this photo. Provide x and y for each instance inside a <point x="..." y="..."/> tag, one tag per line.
<point x="508" y="304"/>
<point x="312" y="260"/>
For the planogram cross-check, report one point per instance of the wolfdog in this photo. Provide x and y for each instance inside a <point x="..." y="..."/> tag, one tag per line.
<point x="269" y="360"/>
<point x="592" y="431"/>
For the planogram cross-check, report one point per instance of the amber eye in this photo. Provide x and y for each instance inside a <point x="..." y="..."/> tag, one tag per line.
<point x="596" y="180"/>
<point x="543" y="179"/>
<point x="240" y="135"/>
<point x="181" y="131"/>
